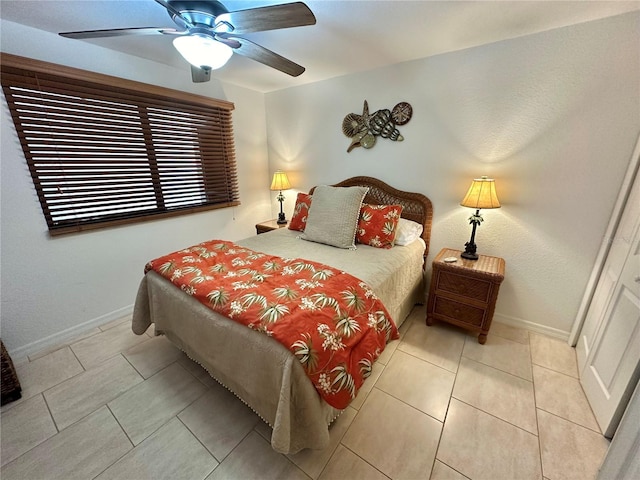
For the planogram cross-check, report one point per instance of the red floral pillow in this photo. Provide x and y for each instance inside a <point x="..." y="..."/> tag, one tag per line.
<point x="299" y="218"/>
<point x="378" y="224"/>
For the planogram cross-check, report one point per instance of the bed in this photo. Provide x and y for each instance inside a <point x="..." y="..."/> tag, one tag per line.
<point x="280" y="391"/>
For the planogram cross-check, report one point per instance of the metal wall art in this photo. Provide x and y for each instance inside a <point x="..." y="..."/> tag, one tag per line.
<point x="363" y="129"/>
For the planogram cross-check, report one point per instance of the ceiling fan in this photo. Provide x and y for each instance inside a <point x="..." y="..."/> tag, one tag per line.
<point x="207" y="33"/>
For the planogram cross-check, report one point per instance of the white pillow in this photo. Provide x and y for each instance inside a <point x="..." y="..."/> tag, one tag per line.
<point x="333" y="215"/>
<point x="408" y="231"/>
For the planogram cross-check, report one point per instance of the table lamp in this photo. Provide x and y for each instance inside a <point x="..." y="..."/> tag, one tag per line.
<point x="280" y="182"/>
<point x="481" y="194"/>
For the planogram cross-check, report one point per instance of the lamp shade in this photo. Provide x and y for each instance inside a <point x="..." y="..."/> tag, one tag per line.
<point x="202" y="51"/>
<point x="280" y="181"/>
<point x="481" y="194"/>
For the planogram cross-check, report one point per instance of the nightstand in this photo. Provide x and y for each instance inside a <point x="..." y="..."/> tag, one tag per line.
<point x="268" y="226"/>
<point x="464" y="292"/>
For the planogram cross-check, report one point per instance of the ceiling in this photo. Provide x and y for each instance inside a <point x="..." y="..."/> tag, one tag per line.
<point x="349" y="36"/>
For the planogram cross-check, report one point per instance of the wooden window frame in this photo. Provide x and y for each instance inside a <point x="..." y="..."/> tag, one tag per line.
<point x="179" y="158"/>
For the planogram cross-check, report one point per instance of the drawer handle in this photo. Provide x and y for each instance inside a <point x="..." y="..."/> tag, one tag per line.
<point x="462" y="287"/>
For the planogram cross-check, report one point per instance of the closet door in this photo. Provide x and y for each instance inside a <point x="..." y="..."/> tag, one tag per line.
<point x="608" y="349"/>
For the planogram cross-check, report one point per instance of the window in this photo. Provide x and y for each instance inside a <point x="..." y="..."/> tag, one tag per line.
<point x="105" y="151"/>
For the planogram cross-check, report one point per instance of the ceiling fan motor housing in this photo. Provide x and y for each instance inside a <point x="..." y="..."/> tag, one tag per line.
<point x="198" y="12"/>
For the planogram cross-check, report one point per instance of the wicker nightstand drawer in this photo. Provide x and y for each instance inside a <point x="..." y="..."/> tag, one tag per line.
<point x="458" y="312"/>
<point x="469" y="287"/>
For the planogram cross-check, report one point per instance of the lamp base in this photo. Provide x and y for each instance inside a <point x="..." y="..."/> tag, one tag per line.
<point x="281" y="219"/>
<point x="469" y="251"/>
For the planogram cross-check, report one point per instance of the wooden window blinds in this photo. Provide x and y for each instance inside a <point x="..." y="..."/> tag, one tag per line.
<point x="105" y="151"/>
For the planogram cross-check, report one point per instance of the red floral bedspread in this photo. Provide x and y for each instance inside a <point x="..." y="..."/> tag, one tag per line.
<point x="330" y="320"/>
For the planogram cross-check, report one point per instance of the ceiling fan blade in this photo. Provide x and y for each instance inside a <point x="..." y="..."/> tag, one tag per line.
<point x="200" y="75"/>
<point x="268" y="18"/>
<point x="121" y="32"/>
<point x="266" y="57"/>
<point x="176" y="15"/>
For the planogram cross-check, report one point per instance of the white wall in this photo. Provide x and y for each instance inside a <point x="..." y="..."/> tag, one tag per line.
<point x="553" y="117"/>
<point x="52" y="288"/>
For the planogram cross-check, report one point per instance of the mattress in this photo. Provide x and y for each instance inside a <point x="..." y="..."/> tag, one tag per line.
<point x="260" y="371"/>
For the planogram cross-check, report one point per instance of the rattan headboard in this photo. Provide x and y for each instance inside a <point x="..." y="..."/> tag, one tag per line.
<point x="416" y="206"/>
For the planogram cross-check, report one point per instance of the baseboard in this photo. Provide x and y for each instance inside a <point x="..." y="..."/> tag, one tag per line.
<point x="61" y="337"/>
<point x="531" y="326"/>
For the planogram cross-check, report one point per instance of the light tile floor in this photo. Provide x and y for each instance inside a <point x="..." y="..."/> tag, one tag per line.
<point x="438" y="405"/>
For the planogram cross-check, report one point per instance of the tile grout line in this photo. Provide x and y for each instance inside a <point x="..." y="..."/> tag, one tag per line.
<point x="24" y="398"/>
<point x="496" y="417"/>
<point x="429" y="362"/>
<point x="591" y="409"/>
<point x="55" y="424"/>
<point x="554" y="370"/>
<point x="353" y="421"/>
<point x="44" y="440"/>
<point x="582" y="390"/>
<point x="408" y="405"/>
<point x="125" y="434"/>
<point x="442" y="422"/>
<point x="535" y="405"/>
<point x="219" y="462"/>
<point x="422" y="359"/>
<point x="502" y="419"/>
<point x="446" y="370"/>
<point x="446" y="413"/>
<point x="456" y="470"/>
<point x="571" y="422"/>
<point x="136" y="370"/>
<point x="347" y="448"/>
<point x="435" y="456"/>
<point x="76" y="356"/>
<point x="500" y="369"/>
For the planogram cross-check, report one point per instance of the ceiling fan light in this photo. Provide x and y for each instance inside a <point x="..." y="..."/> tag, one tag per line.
<point x="203" y="52"/>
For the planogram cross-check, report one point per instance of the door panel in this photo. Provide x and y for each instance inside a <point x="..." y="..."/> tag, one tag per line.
<point x="608" y="349"/>
<point x="598" y="307"/>
<point x="621" y="244"/>
<point x="612" y="368"/>
<point x="616" y="344"/>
